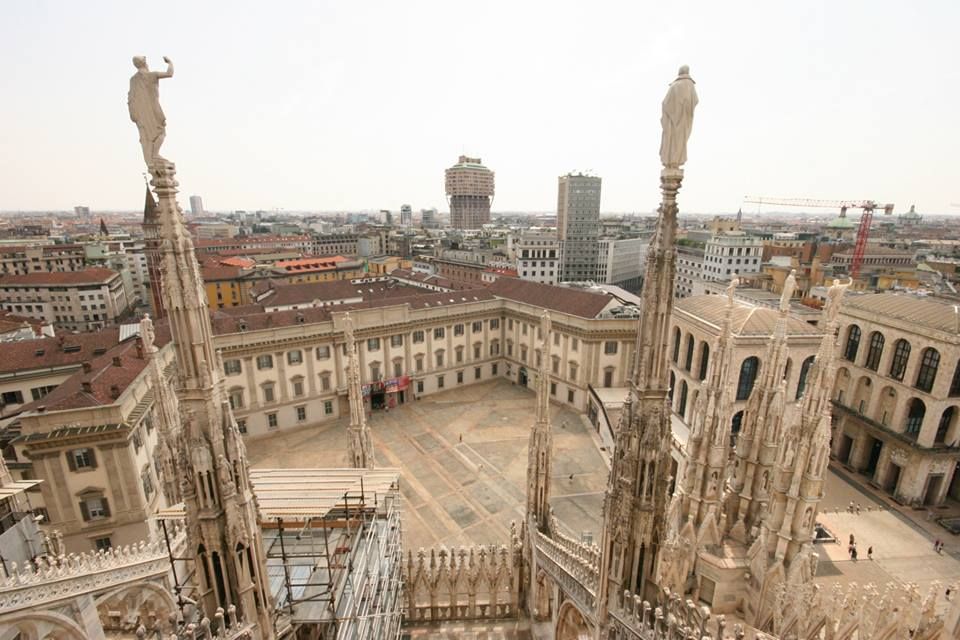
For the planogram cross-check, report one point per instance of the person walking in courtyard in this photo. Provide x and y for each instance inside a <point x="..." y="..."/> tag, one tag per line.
<point x="870" y="553"/>
<point x="853" y="553"/>
<point x="937" y="545"/>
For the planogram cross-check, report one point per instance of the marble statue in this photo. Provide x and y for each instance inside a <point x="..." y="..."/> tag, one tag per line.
<point x="789" y="286"/>
<point x="732" y="287"/>
<point x="677" y="119"/>
<point x="143" y="101"/>
<point x="834" y="293"/>
<point x="147" y="334"/>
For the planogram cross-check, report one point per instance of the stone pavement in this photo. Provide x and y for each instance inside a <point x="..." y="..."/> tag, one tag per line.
<point x="902" y="540"/>
<point x="459" y="492"/>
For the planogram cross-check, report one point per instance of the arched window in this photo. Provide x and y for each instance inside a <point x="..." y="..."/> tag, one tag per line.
<point x="688" y="361"/>
<point x="946" y="419"/>
<point x="705" y="360"/>
<point x="748" y="375"/>
<point x="804" y="371"/>
<point x="955" y="383"/>
<point x="676" y="345"/>
<point x="927" y="375"/>
<point x="901" y="354"/>
<point x="915" y="417"/>
<point x="682" y="407"/>
<point x="853" y="343"/>
<point x="875" y="351"/>
<point x="673" y="382"/>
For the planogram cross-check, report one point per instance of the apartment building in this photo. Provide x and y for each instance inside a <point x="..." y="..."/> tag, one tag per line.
<point x="538" y="257"/>
<point x="85" y="300"/>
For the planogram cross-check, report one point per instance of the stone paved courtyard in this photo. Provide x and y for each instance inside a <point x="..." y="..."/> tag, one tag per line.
<point x="459" y="492"/>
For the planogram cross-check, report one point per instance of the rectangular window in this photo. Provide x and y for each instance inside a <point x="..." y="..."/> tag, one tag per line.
<point x="495" y="323"/>
<point x="458" y="329"/>
<point x="232" y="367"/>
<point x="294" y="357"/>
<point x="553" y="388"/>
<point x="397" y="368"/>
<point x="419" y="386"/>
<point x="610" y="347"/>
<point x="12" y="397"/>
<point x="102" y="544"/>
<point x="268" y="394"/>
<point x="608" y="378"/>
<point x="374" y="372"/>
<point x="297" y="388"/>
<point x="439" y="355"/>
<point x="459" y="355"/>
<point x="242" y="426"/>
<point x="477" y="327"/>
<point x="94" y="508"/>
<point x="265" y="362"/>
<point x="476" y="352"/>
<point x="323" y="353"/>
<point x="396" y="341"/>
<point x="417" y="337"/>
<point x="81" y="459"/>
<point x="570" y="396"/>
<point x="301" y="414"/>
<point x="493" y="368"/>
<point x="459" y="377"/>
<point x="438" y="333"/>
<point x="373" y="344"/>
<point x="476" y="373"/>
<point x="325" y="382"/>
<point x="439" y="382"/>
<point x="328" y="408"/>
<point x="272" y="421"/>
<point x="418" y="364"/>
<point x="39" y="392"/>
<point x="573" y="373"/>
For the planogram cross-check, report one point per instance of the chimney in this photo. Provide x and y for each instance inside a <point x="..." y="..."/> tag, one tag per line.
<point x="114" y="392"/>
<point x="86" y="386"/>
<point x="117" y="362"/>
<point x="87" y="368"/>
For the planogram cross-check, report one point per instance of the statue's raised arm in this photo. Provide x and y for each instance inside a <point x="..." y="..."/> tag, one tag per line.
<point x="143" y="102"/>
<point x="677" y="119"/>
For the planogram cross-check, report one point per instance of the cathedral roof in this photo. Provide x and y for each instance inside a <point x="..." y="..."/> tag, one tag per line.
<point x="748" y="320"/>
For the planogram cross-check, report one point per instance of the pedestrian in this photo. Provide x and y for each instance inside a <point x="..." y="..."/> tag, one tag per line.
<point x="870" y="553"/>
<point x="461" y="437"/>
<point x="936" y="545"/>
<point x="850" y="507"/>
<point x="948" y="593"/>
<point x="858" y="508"/>
<point x="850" y="550"/>
<point x="571" y="476"/>
<point x="852" y="540"/>
<point x="854" y="554"/>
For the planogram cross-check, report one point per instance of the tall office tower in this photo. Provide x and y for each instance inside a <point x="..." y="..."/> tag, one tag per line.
<point x="406" y="215"/>
<point x="428" y="218"/>
<point x="81" y="211"/>
<point x="470" y="192"/>
<point x="578" y="226"/>
<point x="386" y="216"/>
<point x="196" y="205"/>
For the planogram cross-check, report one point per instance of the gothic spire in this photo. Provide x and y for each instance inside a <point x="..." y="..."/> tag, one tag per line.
<point x="540" y="448"/>
<point x="361" y="444"/>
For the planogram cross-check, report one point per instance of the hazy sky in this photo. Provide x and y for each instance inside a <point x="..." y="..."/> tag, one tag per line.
<point x="362" y="105"/>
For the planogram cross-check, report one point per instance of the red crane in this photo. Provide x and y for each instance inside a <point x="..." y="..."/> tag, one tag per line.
<point x="863" y="230"/>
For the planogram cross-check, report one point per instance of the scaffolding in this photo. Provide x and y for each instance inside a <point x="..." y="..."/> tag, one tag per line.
<point x="333" y="544"/>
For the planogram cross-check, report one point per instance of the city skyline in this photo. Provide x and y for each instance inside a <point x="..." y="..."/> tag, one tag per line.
<point x="351" y="110"/>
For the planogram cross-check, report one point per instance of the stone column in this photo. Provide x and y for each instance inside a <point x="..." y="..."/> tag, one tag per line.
<point x="252" y="396"/>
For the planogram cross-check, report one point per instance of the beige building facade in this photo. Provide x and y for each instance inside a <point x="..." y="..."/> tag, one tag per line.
<point x="897" y="395"/>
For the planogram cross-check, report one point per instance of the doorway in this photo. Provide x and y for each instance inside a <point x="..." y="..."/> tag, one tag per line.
<point x="846" y="445"/>
<point x="876" y="448"/>
<point x="893" y="477"/>
<point x="522" y="376"/>
<point x="378" y="400"/>
<point x="934" y="484"/>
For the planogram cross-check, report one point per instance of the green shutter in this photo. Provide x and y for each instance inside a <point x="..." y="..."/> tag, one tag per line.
<point x="83" y="511"/>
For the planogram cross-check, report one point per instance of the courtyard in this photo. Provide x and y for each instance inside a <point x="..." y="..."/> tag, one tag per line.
<point x="462" y="455"/>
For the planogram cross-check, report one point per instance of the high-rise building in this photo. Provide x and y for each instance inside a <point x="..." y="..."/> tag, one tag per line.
<point x="538" y="257"/>
<point x="578" y="225"/>
<point x="406" y="215"/>
<point x="470" y="192"/>
<point x="81" y="211"/>
<point x="196" y="205"/>
<point x="428" y="217"/>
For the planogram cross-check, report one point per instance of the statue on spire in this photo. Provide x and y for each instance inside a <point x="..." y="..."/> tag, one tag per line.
<point x="143" y="102"/>
<point x="789" y="286"/>
<point x="677" y="119"/>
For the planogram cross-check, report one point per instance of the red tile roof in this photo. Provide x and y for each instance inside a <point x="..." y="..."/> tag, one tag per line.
<point x="576" y="302"/>
<point x="64" y="350"/>
<point x="93" y="275"/>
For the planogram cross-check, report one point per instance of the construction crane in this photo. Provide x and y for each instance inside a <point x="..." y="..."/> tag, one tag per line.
<point x="863" y="230"/>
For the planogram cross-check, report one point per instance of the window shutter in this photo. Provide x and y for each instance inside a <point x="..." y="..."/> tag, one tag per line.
<point x="83" y="511"/>
<point x="93" y="457"/>
<point x="71" y="461"/>
<point x="106" y="506"/>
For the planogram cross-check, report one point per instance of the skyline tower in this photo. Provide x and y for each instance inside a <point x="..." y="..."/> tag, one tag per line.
<point x="196" y="206"/>
<point x="469" y="187"/>
<point x="578" y="226"/>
